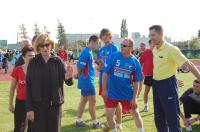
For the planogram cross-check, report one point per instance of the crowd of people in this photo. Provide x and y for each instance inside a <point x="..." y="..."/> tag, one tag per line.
<point x="5" y="56"/>
<point x="15" y="58"/>
<point x="39" y="75"/>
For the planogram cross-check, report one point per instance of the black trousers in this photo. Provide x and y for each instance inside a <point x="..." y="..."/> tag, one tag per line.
<point x="20" y="116"/>
<point x="46" y="118"/>
<point x="166" y="105"/>
<point x="190" y="107"/>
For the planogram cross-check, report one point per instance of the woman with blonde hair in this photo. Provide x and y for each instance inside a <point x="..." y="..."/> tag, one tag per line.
<point x="46" y="74"/>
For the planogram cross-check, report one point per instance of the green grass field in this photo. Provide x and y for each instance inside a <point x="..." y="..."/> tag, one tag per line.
<point x="72" y="96"/>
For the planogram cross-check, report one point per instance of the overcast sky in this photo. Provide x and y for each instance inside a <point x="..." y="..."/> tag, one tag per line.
<point x="180" y="18"/>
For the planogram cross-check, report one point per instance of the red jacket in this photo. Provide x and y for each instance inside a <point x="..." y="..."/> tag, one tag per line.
<point x="146" y="61"/>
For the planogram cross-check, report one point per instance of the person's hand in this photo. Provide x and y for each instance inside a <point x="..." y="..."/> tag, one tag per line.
<point x="180" y="83"/>
<point x="104" y="94"/>
<point x="11" y="108"/>
<point x="30" y="116"/>
<point x="134" y="104"/>
<point x="69" y="72"/>
<point x="185" y="123"/>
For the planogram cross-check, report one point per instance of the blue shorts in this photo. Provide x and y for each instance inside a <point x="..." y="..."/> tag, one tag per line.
<point x="90" y="92"/>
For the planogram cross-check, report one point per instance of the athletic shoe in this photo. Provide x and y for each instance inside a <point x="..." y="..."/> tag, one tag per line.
<point x="97" y="125"/>
<point x="81" y="124"/>
<point x="146" y="109"/>
<point x="188" y="128"/>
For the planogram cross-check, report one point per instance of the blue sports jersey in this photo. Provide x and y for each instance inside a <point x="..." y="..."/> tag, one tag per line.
<point x="86" y="63"/>
<point x="104" y="53"/>
<point x="121" y="70"/>
<point x="1" y="56"/>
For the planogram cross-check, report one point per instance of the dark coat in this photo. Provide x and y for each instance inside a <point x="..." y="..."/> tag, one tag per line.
<point x="35" y="78"/>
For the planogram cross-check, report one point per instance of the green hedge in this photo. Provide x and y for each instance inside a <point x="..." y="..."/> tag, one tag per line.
<point x="191" y="54"/>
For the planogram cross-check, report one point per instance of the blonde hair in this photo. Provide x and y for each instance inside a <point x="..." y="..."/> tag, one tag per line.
<point x="40" y="40"/>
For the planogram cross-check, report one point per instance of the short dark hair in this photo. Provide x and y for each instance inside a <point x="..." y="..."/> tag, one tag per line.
<point x="157" y="28"/>
<point x="93" y="38"/>
<point x="196" y="81"/>
<point x="25" y="50"/>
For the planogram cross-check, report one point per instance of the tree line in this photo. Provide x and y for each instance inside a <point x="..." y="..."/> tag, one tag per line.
<point x="61" y="35"/>
<point x="192" y="44"/>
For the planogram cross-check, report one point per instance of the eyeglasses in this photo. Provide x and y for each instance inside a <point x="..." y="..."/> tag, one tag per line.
<point x="124" y="46"/>
<point x="44" y="45"/>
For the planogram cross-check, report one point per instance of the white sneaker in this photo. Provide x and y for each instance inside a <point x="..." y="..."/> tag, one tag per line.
<point x="189" y="128"/>
<point x="81" y="124"/>
<point x="146" y="109"/>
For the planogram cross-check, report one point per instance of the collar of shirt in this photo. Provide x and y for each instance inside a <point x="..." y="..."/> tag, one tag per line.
<point x="161" y="47"/>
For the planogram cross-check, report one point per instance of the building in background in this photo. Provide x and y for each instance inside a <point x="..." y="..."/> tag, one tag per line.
<point x="138" y="38"/>
<point x="14" y="47"/>
<point x="3" y="43"/>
